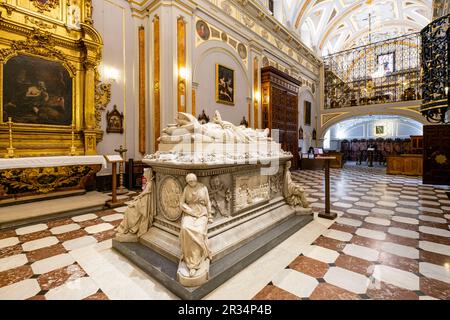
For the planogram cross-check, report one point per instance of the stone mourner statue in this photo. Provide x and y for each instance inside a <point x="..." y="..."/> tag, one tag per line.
<point x="220" y="197"/>
<point x="294" y="193"/>
<point x="139" y="215"/>
<point x="193" y="269"/>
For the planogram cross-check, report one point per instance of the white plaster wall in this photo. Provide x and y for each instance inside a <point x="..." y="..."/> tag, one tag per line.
<point x="112" y="18"/>
<point x="393" y="128"/>
<point x="207" y="55"/>
<point x="306" y="95"/>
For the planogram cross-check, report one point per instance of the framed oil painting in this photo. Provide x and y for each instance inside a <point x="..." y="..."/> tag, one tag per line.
<point x="307" y="113"/>
<point x="202" y="29"/>
<point x="224" y="85"/>
<point x="379" y="130"/>
<point x="36" y="91"/>
<point x="114" y="120"/>
<point x="386" y="62"/>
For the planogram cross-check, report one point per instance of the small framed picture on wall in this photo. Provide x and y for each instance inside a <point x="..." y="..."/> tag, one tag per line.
<point x="224" y="85"/>
<point x="379" y="130"/>
<point x="307" y="113"/>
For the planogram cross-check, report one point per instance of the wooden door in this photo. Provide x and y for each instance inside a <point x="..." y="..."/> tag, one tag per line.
<point x="280" y="109"/>
<point x="436" y="154"/>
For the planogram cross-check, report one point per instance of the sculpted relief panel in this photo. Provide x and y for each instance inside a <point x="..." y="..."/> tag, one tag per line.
<point x="250" y="190"/>
<point x="169" y="198"/>
<point x="220" y="195"/>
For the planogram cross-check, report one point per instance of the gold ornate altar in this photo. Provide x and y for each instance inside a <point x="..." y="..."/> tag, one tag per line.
<point x="37" y="178"/>
<point x="58" y="37"/>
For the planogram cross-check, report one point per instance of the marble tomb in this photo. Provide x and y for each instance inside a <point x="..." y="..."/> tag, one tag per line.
<point x="218" y="196"/>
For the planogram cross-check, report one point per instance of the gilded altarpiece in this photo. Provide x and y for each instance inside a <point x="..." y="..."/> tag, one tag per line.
<point x="50" y="50"/>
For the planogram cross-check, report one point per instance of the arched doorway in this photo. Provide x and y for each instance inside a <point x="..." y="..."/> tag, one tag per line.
<point x="371" y="127"/>
<point x="373" y="138"/>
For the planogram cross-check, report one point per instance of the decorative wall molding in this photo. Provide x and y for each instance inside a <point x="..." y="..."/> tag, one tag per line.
<point x="214" y="33"/>
<point x="325" y="118"/>
<point x="40" y="23"/>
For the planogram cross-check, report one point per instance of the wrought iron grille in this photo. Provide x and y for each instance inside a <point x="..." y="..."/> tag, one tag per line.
<point x="381" y="72"/>
<point x="436" y="69"/>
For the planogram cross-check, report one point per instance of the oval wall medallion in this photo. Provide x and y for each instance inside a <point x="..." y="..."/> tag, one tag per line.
<point x="169" y="197"/>
<point x="202" y="30"/>
<point x="224" y="36"/>
<point x="242" y="50"/>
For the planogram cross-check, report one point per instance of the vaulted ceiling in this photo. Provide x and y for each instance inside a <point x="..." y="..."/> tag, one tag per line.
<point x="329" y="26"/>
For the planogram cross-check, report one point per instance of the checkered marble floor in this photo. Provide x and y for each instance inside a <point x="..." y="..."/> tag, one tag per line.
<point x="391" y="240"/>
<point x="38" y="261"/>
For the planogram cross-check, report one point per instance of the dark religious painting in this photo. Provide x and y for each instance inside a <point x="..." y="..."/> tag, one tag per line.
<point x="114" y="120"/>
<point x="202" y="29"/>
<point x="224" y="85"/>
<point x="36" y="91"/>
<point x="307" y="113"/>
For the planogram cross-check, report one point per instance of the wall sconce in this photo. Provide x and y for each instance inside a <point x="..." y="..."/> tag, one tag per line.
<point x="257" y="95"/>
<point x="183" y="73"/>
<point x="111" y="74"/>
<point x="446" y="91"/>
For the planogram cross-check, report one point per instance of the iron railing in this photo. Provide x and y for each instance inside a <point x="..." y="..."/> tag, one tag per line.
<point x="381" y="72"/>
<point x="436" y="70"/>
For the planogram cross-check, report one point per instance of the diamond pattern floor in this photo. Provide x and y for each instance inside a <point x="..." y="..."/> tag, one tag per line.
<point x="391" y="240"/>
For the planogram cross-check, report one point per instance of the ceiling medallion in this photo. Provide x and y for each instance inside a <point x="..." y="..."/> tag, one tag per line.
<point x="45" y="5"/>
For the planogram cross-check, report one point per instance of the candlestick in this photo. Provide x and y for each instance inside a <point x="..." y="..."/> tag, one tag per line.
<point x="10" y="153"/>
<point x="122" y="189"/>
<point x="73" y="149"/>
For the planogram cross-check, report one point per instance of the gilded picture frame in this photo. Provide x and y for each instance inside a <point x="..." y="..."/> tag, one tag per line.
<point x="225" y="83"/>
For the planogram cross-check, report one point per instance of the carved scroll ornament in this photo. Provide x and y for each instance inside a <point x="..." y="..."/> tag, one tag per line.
<point x="38" y="43"/>
<point x="102" y="98"/>
<point x="45" y="5"/>
<point x="43" y="180"/>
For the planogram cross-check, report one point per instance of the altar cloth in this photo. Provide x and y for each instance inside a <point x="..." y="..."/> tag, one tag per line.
<point x="58" y="161"/>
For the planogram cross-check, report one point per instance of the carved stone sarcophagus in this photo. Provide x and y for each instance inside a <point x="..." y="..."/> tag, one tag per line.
<point x="248" y="205"/>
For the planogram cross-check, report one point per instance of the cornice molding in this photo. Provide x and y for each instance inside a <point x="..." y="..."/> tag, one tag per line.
<point x="257" y="11"/>
<point x="250" y="8"/>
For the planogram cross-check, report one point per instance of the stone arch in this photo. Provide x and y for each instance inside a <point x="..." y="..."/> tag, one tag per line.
<point x="408" y="113"/>
<point x="213" y="46"/>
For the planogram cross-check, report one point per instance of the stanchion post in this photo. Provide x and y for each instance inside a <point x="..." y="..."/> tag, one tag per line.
<point x="114" y="183"/>
<point x="327" y="214"/>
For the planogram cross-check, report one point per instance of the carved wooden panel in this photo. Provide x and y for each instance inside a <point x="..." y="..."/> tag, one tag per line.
<point x="280" y="109"/>
<point x="436" y="156"/>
